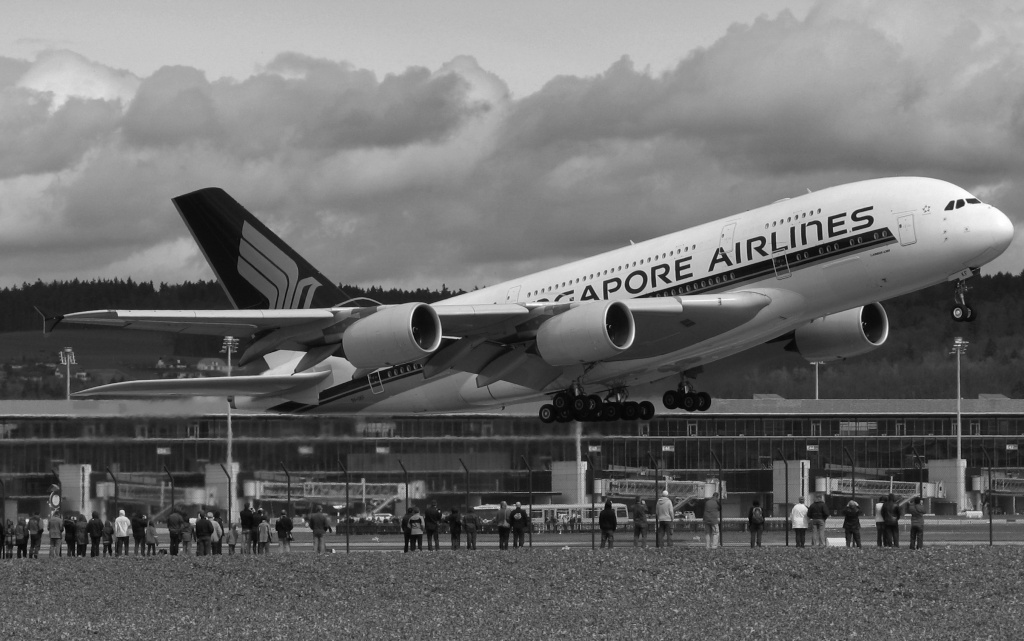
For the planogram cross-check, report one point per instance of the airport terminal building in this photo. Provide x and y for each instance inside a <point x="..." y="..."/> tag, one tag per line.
<point x="138" y="453"/>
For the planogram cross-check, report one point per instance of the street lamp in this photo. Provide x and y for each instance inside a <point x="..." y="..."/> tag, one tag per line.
<point x="816" y="363"/>
<point x="229" y="347"/>
<point x="67" y="359"/>
<point x="959" y="347"/>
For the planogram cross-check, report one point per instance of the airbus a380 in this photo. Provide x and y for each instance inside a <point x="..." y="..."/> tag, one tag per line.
<point x="807" y="270"/>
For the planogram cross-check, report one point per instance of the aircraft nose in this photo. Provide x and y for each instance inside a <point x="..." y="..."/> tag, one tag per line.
<point x="1001" y="229"/>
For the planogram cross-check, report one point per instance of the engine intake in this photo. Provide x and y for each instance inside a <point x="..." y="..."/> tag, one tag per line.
<point x="837" y="336"/>
<point x="392" y="336"/>
<point x="586" y="334"/>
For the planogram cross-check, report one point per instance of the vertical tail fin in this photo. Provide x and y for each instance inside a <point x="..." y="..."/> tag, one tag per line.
<point x="255" y="267"/>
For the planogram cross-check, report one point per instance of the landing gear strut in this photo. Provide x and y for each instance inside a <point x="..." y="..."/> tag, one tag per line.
<point x="574" y="404"/>
<point x="685" y="398"/>
<point x="961" y="311"/>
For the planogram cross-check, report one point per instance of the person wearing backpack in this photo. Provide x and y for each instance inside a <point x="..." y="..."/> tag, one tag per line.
<point x="417" y="525"/>
<point x="755" y="523"/>
<point x="21" y="538"/>
<point x="35" y="535"/>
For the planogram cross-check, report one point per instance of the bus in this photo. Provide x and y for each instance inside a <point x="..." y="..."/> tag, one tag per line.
<point x="560" y="517"/>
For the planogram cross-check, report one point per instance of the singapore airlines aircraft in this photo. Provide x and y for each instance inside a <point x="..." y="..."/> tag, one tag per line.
<point x="808" y="271"/>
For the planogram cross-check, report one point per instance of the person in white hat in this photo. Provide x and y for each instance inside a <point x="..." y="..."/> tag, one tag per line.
<point x="665" y="514"/>
<point x="122" y="526"/>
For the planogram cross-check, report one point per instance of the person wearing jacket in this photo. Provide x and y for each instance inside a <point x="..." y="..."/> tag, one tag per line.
<point x="916" y="511"/>
<point x="416" y="529"/>
<point x="405" y="527"/>
<point x="35" y="533"/>
<point x="284" y="532"/>
<point x="470" y="524"/>
<point x="664" y="513"/>
<point x="851" y="524"/>
<point x="501" y="521"/>
<point x="21" y="538"/>
<point x="607" y="522"/>
<point x="755" y="523"/>
<point x="174" y="524"/>
<point x="139" y="533"/>
<point x="122" y="528"/>
<point x="712" y="516"/>
<point x="879" y="523"/>
<point x="817" y="514"/>
<point x="187" y="533"/>
<point x="891" y="520"/>
<point x="639" y="522"/>
<point x="798" y="517"/>
<point x="432" y="517"/>
<point x="108" y="538"/>
<point x="151" y="538"/>
<point x="454" y="521"/>
<point x="204" y="533"/>
<point x="69" y="534"/>
<point x="217" y="540"/>
<point x="95" y="530"/>
<point x="54" y="528"/>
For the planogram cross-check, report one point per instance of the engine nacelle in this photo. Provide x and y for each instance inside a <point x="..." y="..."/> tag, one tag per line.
<point x="586" y="334"/>
<point x="836" y="336"/>
<point x="392" y="336"/>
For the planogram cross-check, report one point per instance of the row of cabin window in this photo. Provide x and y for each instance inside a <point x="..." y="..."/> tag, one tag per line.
<point x="605" y="273"/>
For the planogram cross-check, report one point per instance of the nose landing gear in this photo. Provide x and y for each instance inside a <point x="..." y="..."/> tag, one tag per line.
<point x="961" y="312"/>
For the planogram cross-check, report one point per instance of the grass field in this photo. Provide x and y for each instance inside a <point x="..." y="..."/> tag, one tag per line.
<point x="683" y="593"/>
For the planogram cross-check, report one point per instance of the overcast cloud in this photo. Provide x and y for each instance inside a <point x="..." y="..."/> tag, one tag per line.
<point x="440" y="175"/>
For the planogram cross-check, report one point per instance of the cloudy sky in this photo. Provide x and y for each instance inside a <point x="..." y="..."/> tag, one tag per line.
<point x="420" y="143"/>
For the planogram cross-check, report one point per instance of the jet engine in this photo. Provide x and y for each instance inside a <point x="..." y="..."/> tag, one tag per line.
<point x="586" y="334"/>
<point x="837" y="336"/>
<point x="392" y="336"/>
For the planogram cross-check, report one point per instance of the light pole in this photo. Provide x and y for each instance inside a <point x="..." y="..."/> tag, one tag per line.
<point x="816" y="363"/>
<point x="229" y="347"/>
<point x="959" y="347"/>
<point x="67" y="359"/>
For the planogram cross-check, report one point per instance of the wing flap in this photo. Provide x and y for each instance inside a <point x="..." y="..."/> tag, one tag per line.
<point x="269" y="385"/>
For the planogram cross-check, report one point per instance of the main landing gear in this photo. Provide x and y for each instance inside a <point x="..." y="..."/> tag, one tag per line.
<point x="961" y="311"/>
<point x="686" y="399"/>
<point x="574" y="404"/>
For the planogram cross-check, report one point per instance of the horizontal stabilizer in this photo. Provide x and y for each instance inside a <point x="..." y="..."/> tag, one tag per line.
<point x="276" y="385"/>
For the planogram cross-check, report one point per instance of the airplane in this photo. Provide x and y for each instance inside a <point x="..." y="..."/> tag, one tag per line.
<point x="807" y="271"/>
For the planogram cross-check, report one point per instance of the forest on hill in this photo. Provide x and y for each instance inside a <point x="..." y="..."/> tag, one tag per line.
<point x="914" y="362"/>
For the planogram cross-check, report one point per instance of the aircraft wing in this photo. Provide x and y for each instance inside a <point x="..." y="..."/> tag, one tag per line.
<point x="231" y="322"/>
<point x="298" y="387"/>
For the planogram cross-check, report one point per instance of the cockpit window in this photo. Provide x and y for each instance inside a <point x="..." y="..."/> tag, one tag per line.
<point x="973" y="201"/>
<point x="957" y="204"/>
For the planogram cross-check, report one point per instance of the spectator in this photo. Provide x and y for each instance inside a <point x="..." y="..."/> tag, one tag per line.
<point x="755" y="523"/>
<point x="501" y="521"/>
<point x="917" y="511"/>
<point x="607" y="522"/>
<point x="95" y="528"/>
<point x="217" y="540"/>
<point x="175" y="522"/>
<point x="520" y="520"/>
<point x="470" y="524"/>
<point x="6" y="539"/>
<point x="817" y="514"/>
<point x="319" y="524"/>
<point x="799" y="519"/>
<point x="35" y="534"/>
<point x="712" y="520"/>
<point x="108" y="538"/>
<point x="284" y="532"/>
<point x="21" y="538"/>
<point x="122" y="528"/>
<point x="417" y="526"/>
<point x="139" y="533"/>
<point x="187" y="533"/>
<point x="263" y="532"/>
<point x="246" y="519"/>
<point x="851" y="524"/>
<point x="664" y="516"/>
<point x="232" y="538"/>
<point x="454" y="522"/>
<point x="879" y="523"/>
<point x="54" y="528"/>
<point x="69" y="534"/>
<point x="204" y="534"/>
<point x="891" y="520"/>
<point x="405" y="527"/>
<point x="432" y="518"/>
<point x="639" y="522"/>
<point x="151" y="538"/>
<point x="81" y="535"/>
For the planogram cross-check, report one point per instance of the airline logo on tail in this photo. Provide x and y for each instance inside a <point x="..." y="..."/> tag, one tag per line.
<point x="272" y="272"/>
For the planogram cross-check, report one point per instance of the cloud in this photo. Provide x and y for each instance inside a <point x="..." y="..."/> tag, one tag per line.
<point x="434" y="176"/>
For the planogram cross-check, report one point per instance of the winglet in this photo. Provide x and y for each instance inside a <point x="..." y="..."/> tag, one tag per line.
<point x="50" y="321"/>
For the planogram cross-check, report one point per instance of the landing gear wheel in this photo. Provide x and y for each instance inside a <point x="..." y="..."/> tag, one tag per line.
<point x="560" y="401"/>
<point x="610" y="411"/>
<point x="703" y="401"/>
<point x="670" y="399"/>
<point x="971" y="316"/>
<point x="594" y="404"/>
<point x="630" y="411"/>
<point x="580" y="405"/>
<point x="959" y="312"/>
<point x="580" y="414"/>
<point x="689" y="402"/>
<point x="564" y="415"/>
<point x="646" y="410"/>
<point x="547" y="413"/>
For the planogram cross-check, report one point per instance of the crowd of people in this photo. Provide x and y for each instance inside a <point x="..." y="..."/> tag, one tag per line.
<point x="254" y="534"/>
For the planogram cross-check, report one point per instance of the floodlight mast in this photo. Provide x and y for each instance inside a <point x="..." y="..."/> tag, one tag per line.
<point x="959" y="348"/>
<point x="229" y="347"/>
<point x="67" y="359"/>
